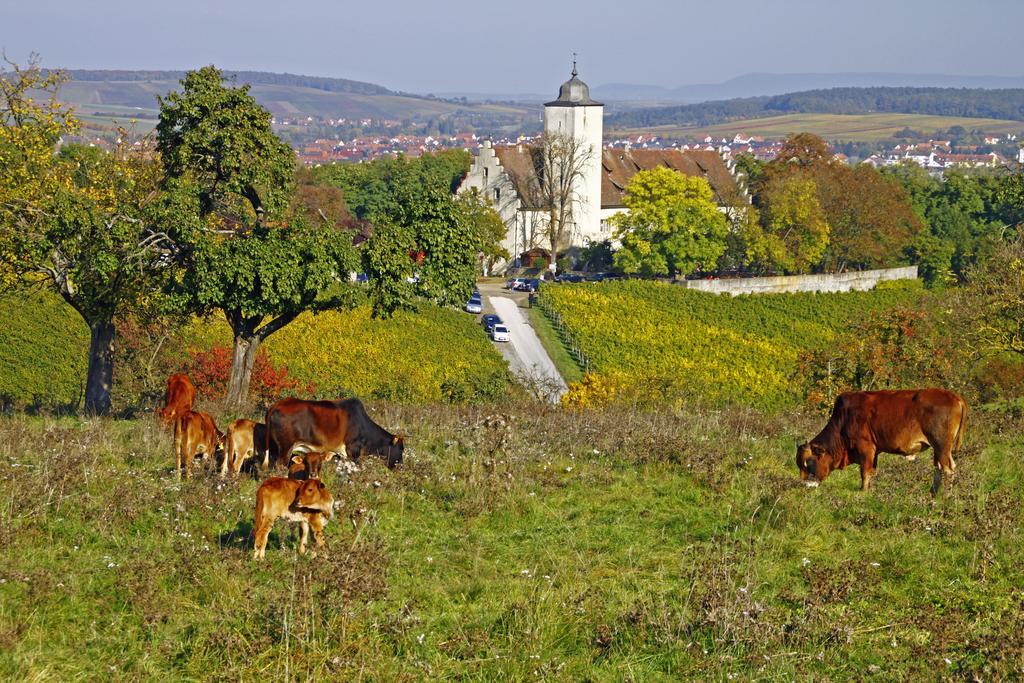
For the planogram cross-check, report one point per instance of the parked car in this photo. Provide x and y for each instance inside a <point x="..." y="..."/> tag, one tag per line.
<point x="500" y="333"/>
<point x="528" y="285"/>
<point x="513" y="283"/>
<point x="570" y="277"/>
<point x="489" y="321"/>
<point x="474" y="306"/>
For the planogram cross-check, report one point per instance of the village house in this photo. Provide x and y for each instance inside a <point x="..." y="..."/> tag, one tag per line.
<point x="507" y="174"/>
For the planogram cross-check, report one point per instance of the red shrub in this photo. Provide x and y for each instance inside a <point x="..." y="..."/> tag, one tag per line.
<point x="210" y="371"/>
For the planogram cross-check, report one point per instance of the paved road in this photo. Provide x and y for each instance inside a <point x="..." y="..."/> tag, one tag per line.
<point x="525" y="353"/>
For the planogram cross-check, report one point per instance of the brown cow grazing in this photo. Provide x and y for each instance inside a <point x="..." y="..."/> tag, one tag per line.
<point x="308" y="503"/>
<point x="866" y="423"/>
<point x="338" y="426"/>
<point x="240" y="444"/>
<point x="178" y="399"/>
<point x="195" y="434"/>
<point x="308" y="465"/>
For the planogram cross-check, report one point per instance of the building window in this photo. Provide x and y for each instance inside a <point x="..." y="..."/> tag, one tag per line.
<point x="486" y="171"/>
<point x="497" y="194"/>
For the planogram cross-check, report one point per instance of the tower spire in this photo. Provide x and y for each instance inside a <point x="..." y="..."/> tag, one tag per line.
<point x="574" y="65"/>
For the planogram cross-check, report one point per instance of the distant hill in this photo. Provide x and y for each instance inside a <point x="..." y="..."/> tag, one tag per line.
<point x="762" y="84"/>
<point x="1005" y="104"/>
<point x="105" y="95"/>
<point x="252" y="77"/>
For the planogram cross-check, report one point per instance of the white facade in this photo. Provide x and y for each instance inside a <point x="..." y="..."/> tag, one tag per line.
<point x="585" y="123"/>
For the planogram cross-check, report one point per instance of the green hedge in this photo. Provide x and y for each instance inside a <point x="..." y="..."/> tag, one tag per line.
<point x="44" y="349"/>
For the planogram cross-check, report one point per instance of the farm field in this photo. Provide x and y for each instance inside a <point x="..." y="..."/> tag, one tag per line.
<point x="432" y="355"/>
<point x="609" y="545"/>
<point x="659" y="343"/>
<point x="844" y="127"/>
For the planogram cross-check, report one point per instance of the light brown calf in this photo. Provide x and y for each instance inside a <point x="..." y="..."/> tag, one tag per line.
<point x="178" y="399"/>
<point x="240" y="444"/>
<point x="307" y="503"/>
<point x="195" y="434"/>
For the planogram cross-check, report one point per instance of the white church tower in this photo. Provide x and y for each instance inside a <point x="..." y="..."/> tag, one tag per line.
<point x="576" y="115"/>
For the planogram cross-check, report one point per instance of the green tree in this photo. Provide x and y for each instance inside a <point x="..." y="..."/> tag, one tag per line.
<point x="993" y="300"/>
<point x="80" y="222"/>
<point x="248" y="250"/>
<point x="870" y="218"/>
<point x="795" y="233"/>
<point x="672" y="227"/>
<point x="425" y="241"/>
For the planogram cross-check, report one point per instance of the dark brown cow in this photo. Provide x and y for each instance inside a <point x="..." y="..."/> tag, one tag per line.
<point x="195" y="434"/>
<point x="866" y="423"/>
<point x="335" y="426"/>
<point x="178" y="399"/>
<point x="308" y="503"/>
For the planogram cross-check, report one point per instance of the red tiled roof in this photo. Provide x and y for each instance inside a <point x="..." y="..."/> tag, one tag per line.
<point x="618" y="167"/>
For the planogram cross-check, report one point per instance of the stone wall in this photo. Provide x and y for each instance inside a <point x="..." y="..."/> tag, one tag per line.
<point x="827" y="282"/>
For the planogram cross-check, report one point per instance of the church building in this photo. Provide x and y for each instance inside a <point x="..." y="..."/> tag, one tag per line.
<point x="510" y="175"/>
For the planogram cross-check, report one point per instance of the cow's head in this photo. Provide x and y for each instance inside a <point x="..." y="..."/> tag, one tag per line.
<point x="308" y="464"/>
<point x="395" y="451"/>
<point x="313" y="495"/>
<point x="814" y="463"/>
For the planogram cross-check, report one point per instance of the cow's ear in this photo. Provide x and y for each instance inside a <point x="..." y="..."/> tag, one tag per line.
<point x="329" y="455"/>
<point x="297" y="459"/>
<point x="395" y="439"/>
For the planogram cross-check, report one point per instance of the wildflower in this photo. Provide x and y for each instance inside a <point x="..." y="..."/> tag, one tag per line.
<point x="805" y="562"/>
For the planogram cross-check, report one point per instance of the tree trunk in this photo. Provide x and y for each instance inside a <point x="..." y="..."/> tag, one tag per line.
<point x="100" y="376"/>
<point x="242" y="360"/>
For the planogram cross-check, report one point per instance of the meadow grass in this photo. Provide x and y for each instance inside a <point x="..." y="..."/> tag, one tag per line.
<point x="543" y="544"/>
<point x="568" y="368"/>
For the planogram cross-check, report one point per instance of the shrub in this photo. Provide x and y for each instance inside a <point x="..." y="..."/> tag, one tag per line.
<point x="211" y="369"/>
<point x="43" y="352"/>
<point x="902" y="348"/>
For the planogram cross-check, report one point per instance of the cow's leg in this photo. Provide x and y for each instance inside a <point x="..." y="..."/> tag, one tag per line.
<point x="228" y="449"/>
<point x="187" y="455"/>
<point x="944" y="466"/>
<point x="262" y="533"/>
<point x="305" y="537"/>
<point x="868" y="462"/>
<point x="317" y="524"/>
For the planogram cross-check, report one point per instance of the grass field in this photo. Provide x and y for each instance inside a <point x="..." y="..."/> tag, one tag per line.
<point x="597" y="546"/>
<point x="844" y="127"/>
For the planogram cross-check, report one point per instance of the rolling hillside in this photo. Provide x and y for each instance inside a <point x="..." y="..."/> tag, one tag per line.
<point x="833" y="127"/>
<point x="101" y="97"/>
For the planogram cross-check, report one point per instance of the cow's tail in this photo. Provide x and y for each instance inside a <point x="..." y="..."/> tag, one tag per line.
<point x="177" y="436"/>
<point x="959" y="438"/>
<point x="268" y="457"/>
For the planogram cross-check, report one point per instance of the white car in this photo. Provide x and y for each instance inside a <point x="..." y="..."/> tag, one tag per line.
<point x="500" y="333"/>
<point x="474" y="306"/>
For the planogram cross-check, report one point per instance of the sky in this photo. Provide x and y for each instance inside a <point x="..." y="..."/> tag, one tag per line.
<point x="521" y="46"/>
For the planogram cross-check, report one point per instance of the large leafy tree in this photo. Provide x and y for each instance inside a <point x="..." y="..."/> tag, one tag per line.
<point x="426" y="242"/>
<point x="871" y="219"/>
<point x="795" y="232"/>
<point x="249" y="249"/>
<point x="673" y="226"/>
<point x="82" y="222"/>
